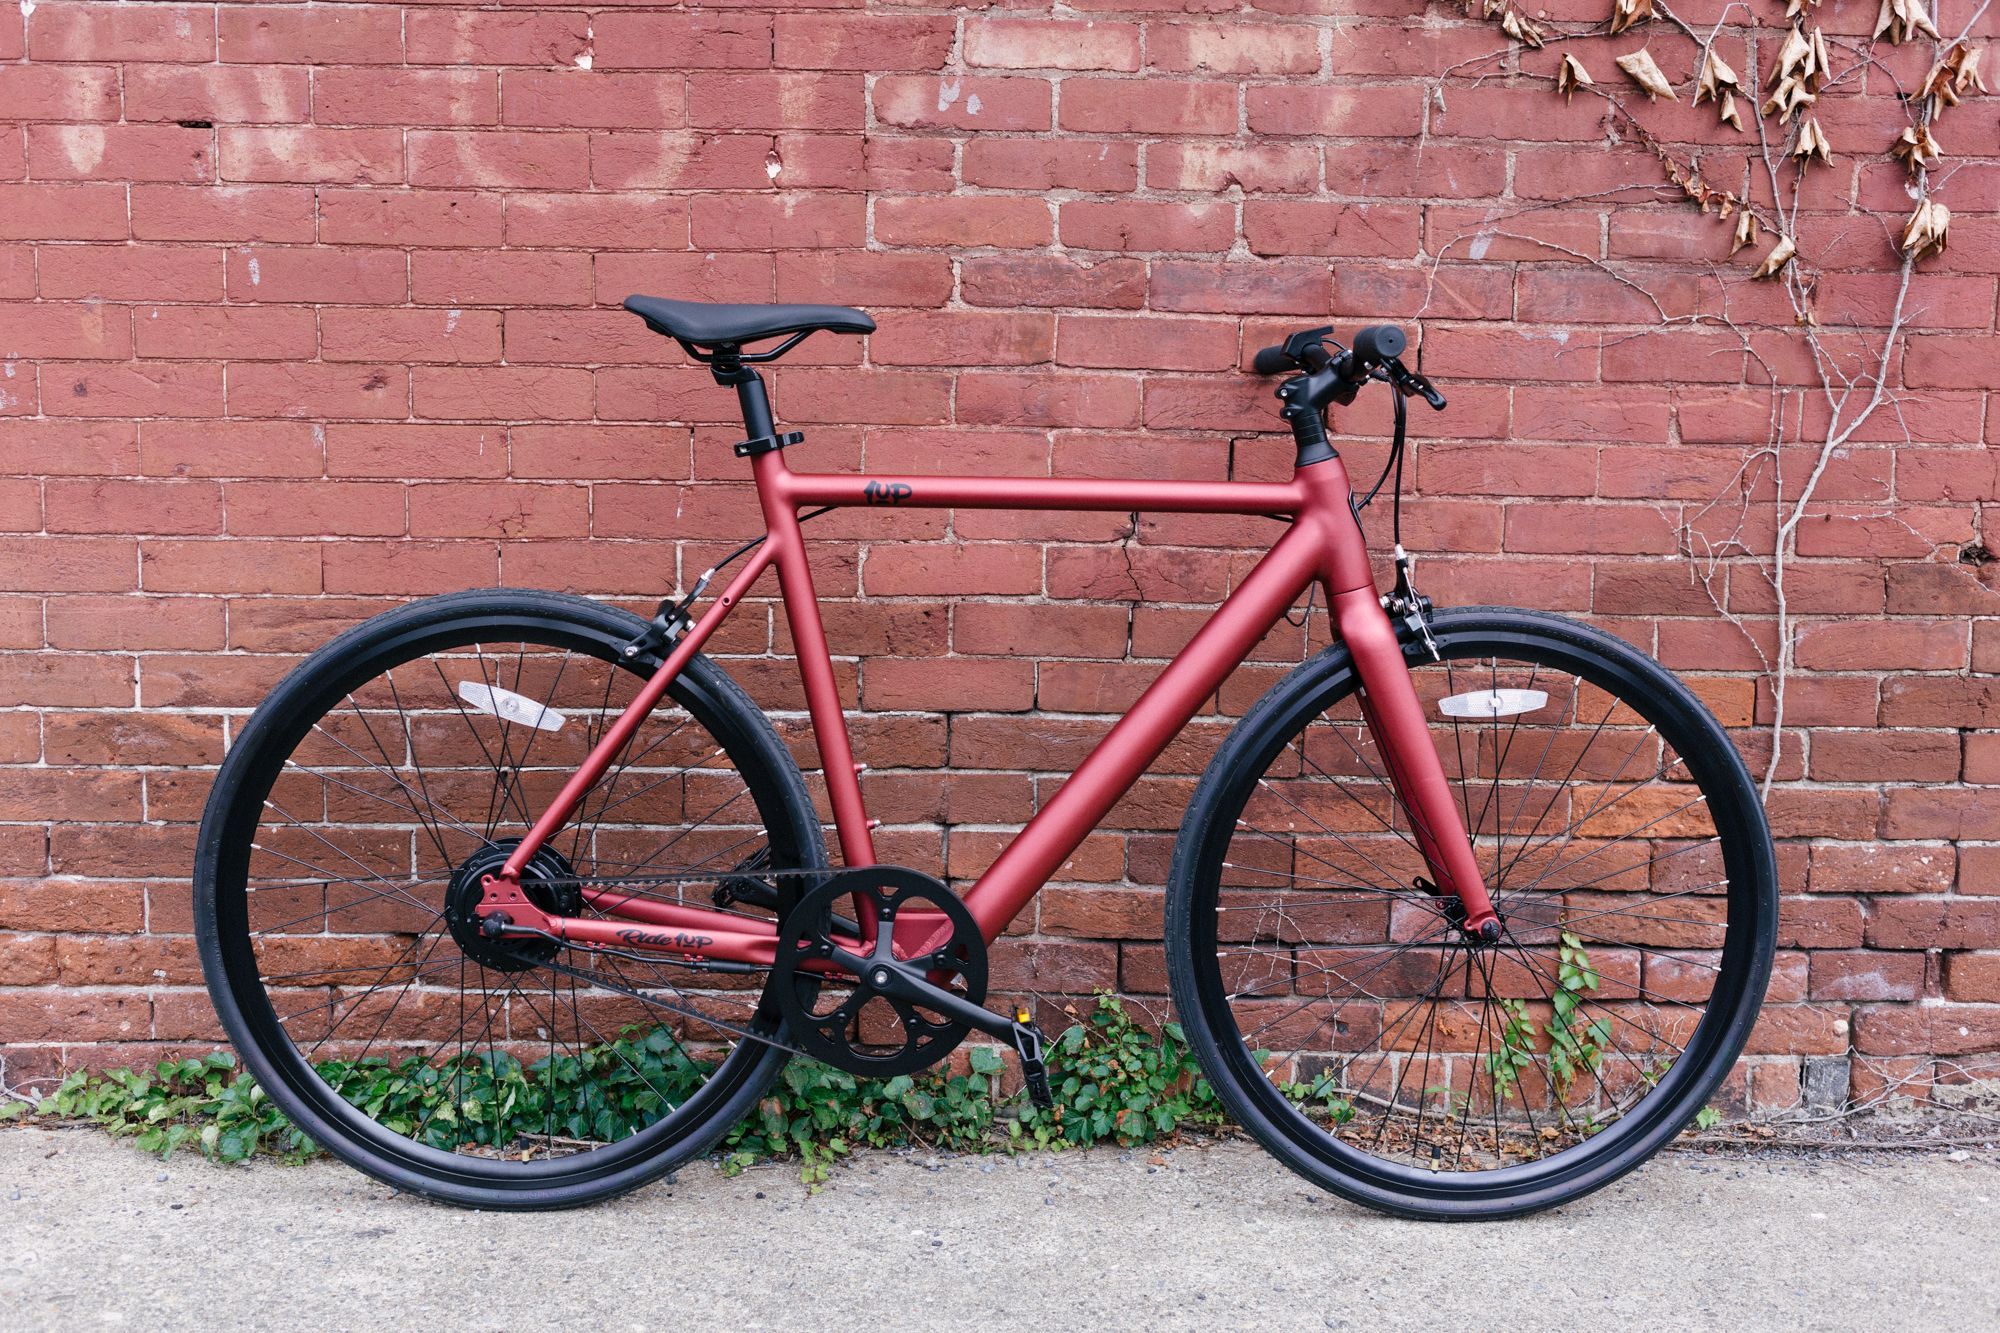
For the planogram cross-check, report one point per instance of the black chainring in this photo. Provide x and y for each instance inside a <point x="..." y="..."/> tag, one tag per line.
<point x="824" y="1012"/>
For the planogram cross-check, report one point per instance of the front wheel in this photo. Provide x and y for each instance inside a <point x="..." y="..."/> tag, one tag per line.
<point x="1353" y="1028"/>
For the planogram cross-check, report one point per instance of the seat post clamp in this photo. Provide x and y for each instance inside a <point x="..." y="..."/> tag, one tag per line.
<point x="764" y="444"/>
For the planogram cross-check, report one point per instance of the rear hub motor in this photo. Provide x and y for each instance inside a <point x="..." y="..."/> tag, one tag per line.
<point x="550" y="885"/>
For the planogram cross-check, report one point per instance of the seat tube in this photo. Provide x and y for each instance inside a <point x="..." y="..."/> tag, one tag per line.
<point x="815" y="661"/>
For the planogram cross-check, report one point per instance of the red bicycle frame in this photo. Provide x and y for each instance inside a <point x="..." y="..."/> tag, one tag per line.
<point x="1323" y="542"/>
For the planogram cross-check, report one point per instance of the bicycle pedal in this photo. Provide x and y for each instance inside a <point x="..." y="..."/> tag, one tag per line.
<point x="1034" y="1070"/>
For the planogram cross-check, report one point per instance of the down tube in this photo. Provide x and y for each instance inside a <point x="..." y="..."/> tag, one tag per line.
<point x="1144" y="732"/>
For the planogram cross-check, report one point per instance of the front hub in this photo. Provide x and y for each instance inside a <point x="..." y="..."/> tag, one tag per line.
<point x="547" y="880"/>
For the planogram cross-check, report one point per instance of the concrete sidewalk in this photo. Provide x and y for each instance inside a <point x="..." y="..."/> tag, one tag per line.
<point x="98" y="1235"/>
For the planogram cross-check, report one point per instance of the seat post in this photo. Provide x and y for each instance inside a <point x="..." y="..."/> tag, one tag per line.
<point x="728" y="368"/>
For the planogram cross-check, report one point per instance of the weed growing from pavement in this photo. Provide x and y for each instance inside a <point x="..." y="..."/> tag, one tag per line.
<point x="1114" y="1081"/>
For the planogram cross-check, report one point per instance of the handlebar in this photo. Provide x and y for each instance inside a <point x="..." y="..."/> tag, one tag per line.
<point x="1377" y="345"/>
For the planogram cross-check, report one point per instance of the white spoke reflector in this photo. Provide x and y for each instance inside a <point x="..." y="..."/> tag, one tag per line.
<point x="1492" y="703"/>
<point x="509" y="706"/>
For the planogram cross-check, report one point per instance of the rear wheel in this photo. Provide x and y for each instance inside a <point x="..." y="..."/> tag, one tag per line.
<point x="339" y="862"/>
<point x="1354" y="1029"/>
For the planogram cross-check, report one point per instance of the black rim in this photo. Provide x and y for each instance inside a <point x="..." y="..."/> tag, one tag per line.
<point x="374" y="864"/>
<point x="1402" y="1098"/>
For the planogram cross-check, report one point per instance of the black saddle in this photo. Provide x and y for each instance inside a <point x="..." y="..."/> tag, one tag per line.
<point x="707" y="324"/>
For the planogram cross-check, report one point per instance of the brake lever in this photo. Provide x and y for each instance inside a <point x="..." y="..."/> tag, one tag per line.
<point x="1412" y="384"/>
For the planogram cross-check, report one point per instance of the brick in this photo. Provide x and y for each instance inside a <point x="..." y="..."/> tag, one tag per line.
<point x="229" y="449"/>
<point x="1145" y="226"/>
<point x="1052" y="44"/>
<point x="594" y="99"/>
<point x="56" y="93"/>
<point x="963" y="338"/>
<point x="1036" y="280"/>
<point x="364" y="96"/>
<point x="1301" y="109"/>
<point x="776" y="101"/>
<point x="1002" y="222"/>
<point x="247" y="333"/>
<point x="962" y="102"/>
<point x="121" y="32"/>
<point x="1146" y="344"/>
<point x="873" y="43"/>
<point x="52" y="329"/>
<point x="238" y="94"/>
<point x="1215" y="168"/>
<point x="312" y="155"/>
<point x="303" y="389"/>
<point x="1107" y="106"/>
<point x="485" y="37"/>
<point x="410" y="335"/>
<point x="469" y="277"/>
<point x="454" y="159"/>
<point x="410" y="217"/>
<point x="318" y="35"/>
<point x="129" y="152"/>
<point x="681" y="41"/>
<point x="318" y="273"/>
<point x="62" y="212"/>
<point x="141" y="389"/>
<point x="1233" y="48"/>
<point x="770" y="222"/>
<point x="1042" y="164"/>
<point x="222" y="213"/>
<point x="1289" y="228"/>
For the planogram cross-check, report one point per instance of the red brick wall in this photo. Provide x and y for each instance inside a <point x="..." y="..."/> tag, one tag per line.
<point x="308" y="308"/>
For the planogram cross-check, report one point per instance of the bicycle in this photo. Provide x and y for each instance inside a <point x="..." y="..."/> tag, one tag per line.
<point x="544" y="862"/>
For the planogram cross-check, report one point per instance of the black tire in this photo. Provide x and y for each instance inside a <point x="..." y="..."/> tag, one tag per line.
<point x="1350" y="1129"/>
<point x="296" y="728"/>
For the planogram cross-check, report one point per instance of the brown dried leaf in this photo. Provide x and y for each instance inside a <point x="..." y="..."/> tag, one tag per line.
<point x="1963" y="61"/>
<point x="1625" y="13"/>
<point x="1925" y="232"/>
<point x="1746" y="231"/>
<point x="1812" y="143"/>
<point x="1957" y="72"/>
<point x="1774" y="263"/>
<point x="1904" y="19"/>
<point x="1518" y="26"/>
<point x="1716" y="78"/>
<point x="1917" y="148"/>
<point x="1571" y="75"/>
<point x="1821" y="64"/>
<point x="1646" y="73"/>
<point x="1729" y="114"/>
<point x="1787" y="100"/>
<point x="1792" y="57"/>
<point x="1794" y="8"/>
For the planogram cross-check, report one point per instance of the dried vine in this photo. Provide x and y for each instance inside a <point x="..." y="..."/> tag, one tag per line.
<point x="1790" y="142"/>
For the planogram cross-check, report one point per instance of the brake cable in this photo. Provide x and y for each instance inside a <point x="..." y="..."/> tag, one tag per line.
<point x="1394" y="463"/>
<point x="671" y="618"/>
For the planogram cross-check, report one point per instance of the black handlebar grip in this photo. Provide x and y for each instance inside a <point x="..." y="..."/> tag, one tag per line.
<point x="1273" y="361"/>
<point x="1378" y="343"/>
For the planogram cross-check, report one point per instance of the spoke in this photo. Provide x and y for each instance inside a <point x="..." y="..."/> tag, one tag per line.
<point x="1699" y="799"/>
<point x="410" y="748"/>
<point x="388" y="885"/>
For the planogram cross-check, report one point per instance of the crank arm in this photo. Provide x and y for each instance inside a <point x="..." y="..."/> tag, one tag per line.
<point x="1018" y="1032"/>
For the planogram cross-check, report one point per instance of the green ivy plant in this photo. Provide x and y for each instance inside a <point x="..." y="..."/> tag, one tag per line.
<point x="1114" y="1081"/>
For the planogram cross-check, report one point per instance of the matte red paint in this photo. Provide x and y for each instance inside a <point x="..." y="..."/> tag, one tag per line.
<point x="1323" y="542"/>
